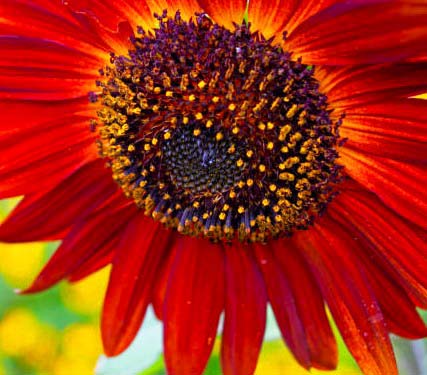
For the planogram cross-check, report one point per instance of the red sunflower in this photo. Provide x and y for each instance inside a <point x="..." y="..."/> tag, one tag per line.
<point x="220" y="165"/>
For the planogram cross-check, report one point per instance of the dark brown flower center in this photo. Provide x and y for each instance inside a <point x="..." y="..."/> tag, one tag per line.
<point x="218" y="133"/>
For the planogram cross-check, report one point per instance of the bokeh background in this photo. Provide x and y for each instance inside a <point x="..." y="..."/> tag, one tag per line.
<point x="57" y="332"/>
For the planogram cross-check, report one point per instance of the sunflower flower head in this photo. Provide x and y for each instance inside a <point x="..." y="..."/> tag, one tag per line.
<point x="213" y="169"/>
<point x="216" y="132"/>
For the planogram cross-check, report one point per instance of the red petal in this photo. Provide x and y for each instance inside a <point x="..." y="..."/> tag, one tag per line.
<point x="44" y="156"/>
<point x="284" y="306"/>
<point x="47" y="54"/>
<point x="20" y="116"/>
<point x="399" y="311"/>
<point x="193" y="303"/>
<point x="362" y="32"/>
<point x="45" y="172"/>
<point x="136" y="12"/>
<point x="54" y="21"/>
<point x="30" y="145"/>
<point x="306" y="9"/>
<point x="51" y="21"/>
<point x="400" y="186"/>
<point x="392" y="129"/>
<point x="161" y="283"/>
<point x="355" y="309"/>
<point x="95" y="261"/>
<point x="349" y="88"/>
<point x="29" y="157"/>
<point x="225" y="12"/>
<point x="48" y="215"/>
<point x="42" y="69"/>
<point x="111" y="13"/>
<point x="391" y="242"/>
<point x="85" y="239"/>
<point x="311" y="311"/>
<point x="298" y="306"/>
<point x="245" y="312"/>
<point x="134" y="271"/>
<point x="272" y="18"/>
<point x="400" y="314"/>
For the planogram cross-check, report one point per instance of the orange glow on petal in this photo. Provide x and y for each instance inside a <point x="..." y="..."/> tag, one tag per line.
<point x="109" y="14"/>
<point x="186" y="7"/>
<point x="270" y="17"/>
<point x="225" y="12"/>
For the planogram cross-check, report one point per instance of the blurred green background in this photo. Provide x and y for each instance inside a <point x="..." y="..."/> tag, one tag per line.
<point x="56" y="332"/>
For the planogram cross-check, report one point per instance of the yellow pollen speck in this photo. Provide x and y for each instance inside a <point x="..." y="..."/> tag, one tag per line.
<point x="275" y="103"/>
<point x="232" y="194"/>
<point x="199" y="116"/>
<point x="265" y="202"/>
<point x="232" y="107"/>
<point x="185" y="120"/>
<point x="235" y="130"/>
<point x="154" y="141"/>
<point x="131" y="148"/>
<point x="157" y="90"/>
<point x="239" y="162"/>
<point x="231" y="149"/>
<point x="249" y="182"/>
<point x="169" y="93"/>
<point x="209" y="124"/>
<point x="222" y="216"/>
<point x="205" y="215"/>
<point x="192" y="98"/>
<point x="249" y="153"/>
<point x="261" y="126"/>
<point x="270" y="125"/>
<point x="167" y="135"/>
<point x="196" y="132"/>
<point x="226" y="207"/>
<point x="215" y="99"/>
<point x="272" y="187"/>
<point x="261" y="168"/>
<point x="270" y="145"/>
<point x="196" y="204"/>
<point x="241" y="209"/>
<point x="286" y="176"/>
<point x="241" y="184"/>
<point x="284" y="130"/>
<point x="291" y="112"/>
<point x="219" y="136"/>
<point x="201" y="84"/>
<point x="296" y="137"/>
<point x="284" y="150"/>
<point x="147" y="147"/>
